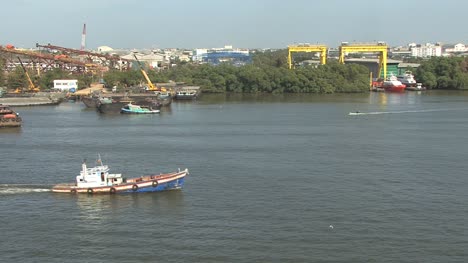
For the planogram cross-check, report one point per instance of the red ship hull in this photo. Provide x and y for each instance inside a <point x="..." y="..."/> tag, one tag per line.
<point x="392" y="88"/>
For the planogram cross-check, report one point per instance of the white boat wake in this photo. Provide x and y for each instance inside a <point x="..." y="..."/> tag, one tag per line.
<point x="23" y="188"/>
<point x="397" y="112"/>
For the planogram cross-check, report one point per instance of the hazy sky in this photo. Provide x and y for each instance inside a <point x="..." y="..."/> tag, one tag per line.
<point x="241" y="23"/>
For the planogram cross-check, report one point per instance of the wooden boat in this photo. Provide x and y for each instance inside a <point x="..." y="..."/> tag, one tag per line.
<point x="8" y="117"/>
<point x="98" y="180"/>
<point x="186" y="95"/>
<point x="95" y="101"/>
<point x="137" y="109"/>
<point x="418" y="87"/>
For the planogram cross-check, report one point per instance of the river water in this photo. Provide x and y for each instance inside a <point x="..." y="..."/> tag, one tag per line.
<point x="272" y="179"/>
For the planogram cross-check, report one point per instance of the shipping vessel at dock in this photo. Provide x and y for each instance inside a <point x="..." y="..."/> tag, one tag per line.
<point x="8" y="117"/>
<point x="392" y="84"/>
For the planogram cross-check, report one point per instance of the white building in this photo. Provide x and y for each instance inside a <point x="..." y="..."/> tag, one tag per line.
<point x="153" y="60"/>
<point x="427" y="50"/>
<point x="66" y="84"/>
<point x="458" y="48"/>
<point x="198" y="54"/>
<point x="104" y="49"/>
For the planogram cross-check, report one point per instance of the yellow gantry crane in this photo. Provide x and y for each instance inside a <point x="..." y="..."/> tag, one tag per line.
<point x="308" y="48"/>
<point x="380" y="47"/>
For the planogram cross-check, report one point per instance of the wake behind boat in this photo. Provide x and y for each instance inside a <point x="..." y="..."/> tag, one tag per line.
<point x="98" y="180"/>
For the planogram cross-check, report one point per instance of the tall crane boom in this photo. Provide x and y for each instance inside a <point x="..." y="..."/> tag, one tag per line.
<point x="150" y="84"/>
<point x="31" y="86"/>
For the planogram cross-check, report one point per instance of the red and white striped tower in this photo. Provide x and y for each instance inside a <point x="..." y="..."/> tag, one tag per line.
<point x="83" y="38"/>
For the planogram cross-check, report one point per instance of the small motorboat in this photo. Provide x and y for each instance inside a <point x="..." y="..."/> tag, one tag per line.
<point x="137" y="109"/>
<point x="418" y="87"/>
<point x="98" y="180"/>
<point x="356" y="113"/>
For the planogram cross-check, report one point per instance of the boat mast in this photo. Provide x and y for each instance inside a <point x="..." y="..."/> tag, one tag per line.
<point x="84" y="168"/>
<point x="99" y="161"/>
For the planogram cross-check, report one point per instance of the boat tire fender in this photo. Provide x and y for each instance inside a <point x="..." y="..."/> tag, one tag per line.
<point x="90" y="191"/>
<point x="155" y="183"/>
<point x="135" y="187"/>
<point x="73" y="191"/>
<point x="112" y="190"/>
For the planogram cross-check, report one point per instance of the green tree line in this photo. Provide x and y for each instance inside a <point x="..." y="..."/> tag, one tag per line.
<point x="267" y="74"/>
<point x="444" y="73"/>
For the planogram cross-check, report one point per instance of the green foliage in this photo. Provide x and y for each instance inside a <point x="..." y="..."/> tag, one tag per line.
<point x="46" y="81"/>
<point x="16" y="79"/>
<point x="444" y="73"/>
<point x="277" y="58"/>
<point x="267" y="74"/>
<point x="2" y="73"/>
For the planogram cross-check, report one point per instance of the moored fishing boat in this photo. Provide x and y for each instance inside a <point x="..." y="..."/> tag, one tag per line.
<point x="98" y="180"/>
<point x="137" y="109"/>
<point x="418" y="87"/>
<point x="8" y="117"/>
<point x="186" y="95"/>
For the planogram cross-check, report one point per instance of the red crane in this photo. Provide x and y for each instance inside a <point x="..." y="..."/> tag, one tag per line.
<point x="112" y="61"/>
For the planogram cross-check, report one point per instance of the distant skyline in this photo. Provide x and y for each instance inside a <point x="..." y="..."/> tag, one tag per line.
<point x="242" y="24"/>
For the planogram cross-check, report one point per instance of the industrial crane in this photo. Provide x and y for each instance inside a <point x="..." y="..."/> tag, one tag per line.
<point x="31" y="87"/>
<point x="151" y="86"/>
<point x="111" y="59"/>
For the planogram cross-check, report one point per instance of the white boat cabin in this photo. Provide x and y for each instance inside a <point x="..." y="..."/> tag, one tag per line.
<point x="97" y="176"/>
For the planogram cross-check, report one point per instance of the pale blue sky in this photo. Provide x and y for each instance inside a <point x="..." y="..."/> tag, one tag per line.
<point x="241" y="23"/>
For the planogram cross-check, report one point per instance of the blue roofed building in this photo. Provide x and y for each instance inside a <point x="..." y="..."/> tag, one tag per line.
<point x="227" y="54"/>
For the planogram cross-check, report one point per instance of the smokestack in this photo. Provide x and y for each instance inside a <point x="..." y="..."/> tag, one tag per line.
<point x="83" y="38"/>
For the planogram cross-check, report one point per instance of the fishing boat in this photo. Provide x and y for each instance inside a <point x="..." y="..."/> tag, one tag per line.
<point x="392" y="84"/>
<point x="418" y="87"/>
<point x="186" y="94"/>
<point x="8" y="117"/>
<point x="137" y="109"/>
<point x="98" y="180"/>
<point x="115" y="106"/>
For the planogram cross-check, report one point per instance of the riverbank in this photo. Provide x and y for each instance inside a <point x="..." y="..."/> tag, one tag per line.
<point x="38" y="99"/>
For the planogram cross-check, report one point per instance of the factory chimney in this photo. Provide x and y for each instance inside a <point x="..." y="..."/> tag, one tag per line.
<point x="83" y="38"/>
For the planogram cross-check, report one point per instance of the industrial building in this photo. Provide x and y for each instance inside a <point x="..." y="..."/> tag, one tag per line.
<point x="223" y="55"/>
<point x="373" y="65"/>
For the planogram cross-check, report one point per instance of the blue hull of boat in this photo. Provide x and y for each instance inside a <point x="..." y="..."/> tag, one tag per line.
<point x="172" y="185"/>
